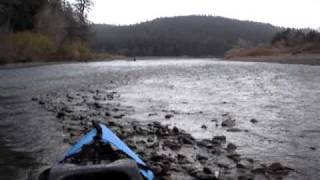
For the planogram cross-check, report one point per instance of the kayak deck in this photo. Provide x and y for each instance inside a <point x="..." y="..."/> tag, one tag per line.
<point x="100" y="153"/>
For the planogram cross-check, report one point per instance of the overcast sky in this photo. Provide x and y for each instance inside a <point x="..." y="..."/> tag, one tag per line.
<point x="287" y="13"/>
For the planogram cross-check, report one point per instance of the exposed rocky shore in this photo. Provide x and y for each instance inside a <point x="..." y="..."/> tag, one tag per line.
<point x="170" y="152"/>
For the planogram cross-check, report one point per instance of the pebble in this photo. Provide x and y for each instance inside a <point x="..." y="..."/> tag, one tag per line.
<point x="259" y="170"/>
<point x="231" y="147"/>
<point x="207" y="170"/>
<point x="228" y="123"/>
<point x="41" y="102"/>
<point x="235" y="157"/>
<point x="244" y="164"/>
<point x="186" y="140"/>
<point x="219" y="139"/>
<point x="175" y="130"/>
<point x="150" y="139"/>
<point x="168" y="116"/>
<point x="254" y="121"/>
<point x="172" y="145"/>
<point x="182" y="159"/>
<point x="245" y="177"/>
<point x="234" y="130"/>
<point x="152" y="114"/>
<point x="97" y="105"/>
<point x="277" y="168"/>
<point x="118" y="116"/>
<point x="202" y="157"/>
<point x="214" y="120"/>
<point x="60" y="115"/>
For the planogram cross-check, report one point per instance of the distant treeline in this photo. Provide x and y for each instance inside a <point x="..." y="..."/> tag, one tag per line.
<point x="180" y="36"/>
<point x="296" y="37"/>
<point x="43" y="30"/>
<point x="286" y="42"/>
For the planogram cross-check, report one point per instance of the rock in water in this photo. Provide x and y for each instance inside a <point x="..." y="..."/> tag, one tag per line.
<point x="228" y="123"/>
<point x="219" y="139"/>
<point x="234" y="130"/>
<point x="277" y="168"/>
<point x="207" y="170"/>
<point x="254" y="121"/>
<point x="168" y="116"/>
<point x="231" y="147"/>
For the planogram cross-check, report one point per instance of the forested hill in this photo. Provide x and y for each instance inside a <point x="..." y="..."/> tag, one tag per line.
<point x="180" y="36"/>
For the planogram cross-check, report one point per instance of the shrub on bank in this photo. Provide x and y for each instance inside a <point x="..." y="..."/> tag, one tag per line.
<point x="250" y="52"/>
<point x="28" y="46"/>
<point x="25" y="46"/>
<point x="74" y="50"/>
<point x="275" y="50"/>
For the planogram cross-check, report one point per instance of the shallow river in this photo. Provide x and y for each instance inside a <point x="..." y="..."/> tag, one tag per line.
<point x="284" y="99"/>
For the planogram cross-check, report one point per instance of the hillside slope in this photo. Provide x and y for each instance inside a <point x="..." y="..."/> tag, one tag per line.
<point x="180" y="36"/>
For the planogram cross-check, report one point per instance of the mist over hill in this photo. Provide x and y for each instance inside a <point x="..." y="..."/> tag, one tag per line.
<point x="180" y="36"/>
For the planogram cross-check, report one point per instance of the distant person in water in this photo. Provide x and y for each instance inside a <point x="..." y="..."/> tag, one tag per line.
<point x="134" y="59"/>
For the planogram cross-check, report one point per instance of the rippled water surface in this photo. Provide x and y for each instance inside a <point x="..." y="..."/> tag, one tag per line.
<point x="285" y="99"/>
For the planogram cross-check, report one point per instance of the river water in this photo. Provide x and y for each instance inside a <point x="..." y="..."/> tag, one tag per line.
<point x="284" y="99"/>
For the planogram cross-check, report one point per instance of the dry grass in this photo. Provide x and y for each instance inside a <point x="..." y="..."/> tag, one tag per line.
<point x="103" y="56"/>
<point x="34" y="47"/>
<point x="25" y="46"/>
<point x="74" y="50"/>
<point x="267" y="51"/>
<point x="251" y="52"/>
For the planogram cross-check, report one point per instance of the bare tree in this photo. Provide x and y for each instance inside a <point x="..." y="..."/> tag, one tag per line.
<point x="83" y="7"/>
<point x="53" y="12"/>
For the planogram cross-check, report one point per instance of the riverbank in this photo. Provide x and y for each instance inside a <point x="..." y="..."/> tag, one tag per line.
<point x="99" y="58"/>
<point x="35" y="64"/>
<point x="307" y="59"/>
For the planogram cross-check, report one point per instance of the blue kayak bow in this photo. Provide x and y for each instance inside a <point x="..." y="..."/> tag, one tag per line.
<point x="107" y="136"/>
